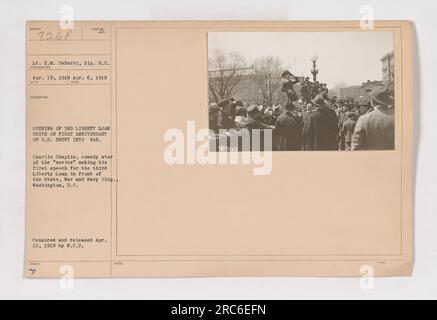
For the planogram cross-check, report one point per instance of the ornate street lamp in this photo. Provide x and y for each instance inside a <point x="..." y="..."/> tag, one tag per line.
<point x="314" y="71"/>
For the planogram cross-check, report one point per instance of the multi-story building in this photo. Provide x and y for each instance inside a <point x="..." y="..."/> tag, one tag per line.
<point x="388" y="68"/>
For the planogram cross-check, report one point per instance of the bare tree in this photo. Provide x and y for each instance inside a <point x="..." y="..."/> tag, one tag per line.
<point x="268" y="74"/>
<point x="224" y="73"/>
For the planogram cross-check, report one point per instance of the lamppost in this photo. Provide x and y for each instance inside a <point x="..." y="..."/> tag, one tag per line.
<point x="314" y="71"/>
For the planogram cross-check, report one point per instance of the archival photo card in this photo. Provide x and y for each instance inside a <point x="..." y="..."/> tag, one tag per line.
<point x="146" y="149"/>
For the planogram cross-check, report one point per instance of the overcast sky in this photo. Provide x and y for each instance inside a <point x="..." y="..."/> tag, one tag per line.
<point x="352" y="57"/>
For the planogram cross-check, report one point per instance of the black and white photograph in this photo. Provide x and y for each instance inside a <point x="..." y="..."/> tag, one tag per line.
<point x="315" y="91"/>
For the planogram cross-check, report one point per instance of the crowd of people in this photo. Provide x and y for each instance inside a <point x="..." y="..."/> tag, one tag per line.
<point x="311" y="120"/>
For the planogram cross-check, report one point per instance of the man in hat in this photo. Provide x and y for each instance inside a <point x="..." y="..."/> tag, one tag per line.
<point x="305" y="91"/>
<point x="339" y="109"/>
<point x="254" y="119"/>
<point x="320" y="127"/>
<point x="227" y="116"/>
<point x="289" y="80"/>
<point x="347" y="131"/>
<point x="215" y="118"/>
<point x="325" y="90"/>
<point x="232" y="107"/>
<point x="341" y="114"/>
<point x="375" y="129"/>
<point x="288" y="130"/>
<point x="365" y="107"/>
<point x="276" y="113"/>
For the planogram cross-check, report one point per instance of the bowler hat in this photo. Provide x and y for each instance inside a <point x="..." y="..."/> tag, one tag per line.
<point x="252" y="109"/>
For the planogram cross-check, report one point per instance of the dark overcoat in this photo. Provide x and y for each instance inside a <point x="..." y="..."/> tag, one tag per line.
<point x="288" y="129"/>
<point x="320" y="130"/>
